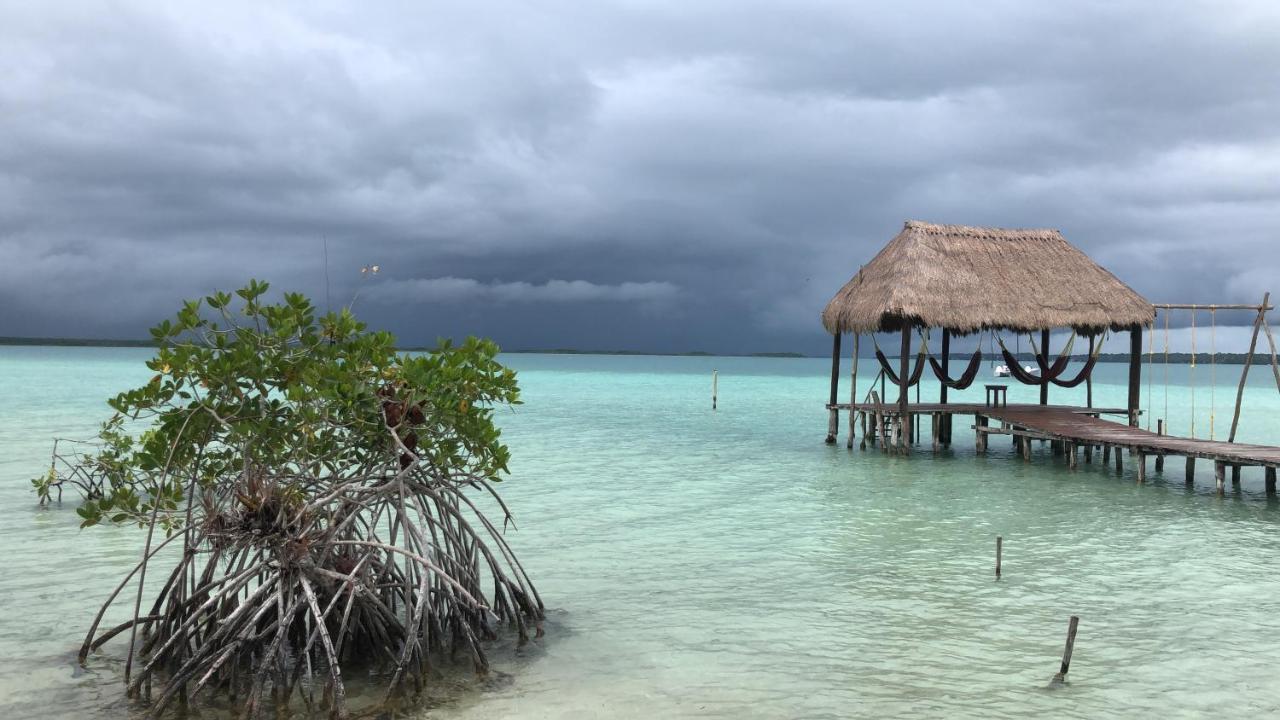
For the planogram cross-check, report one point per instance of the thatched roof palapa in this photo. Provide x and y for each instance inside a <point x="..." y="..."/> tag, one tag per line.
<point x="969" y="279"/>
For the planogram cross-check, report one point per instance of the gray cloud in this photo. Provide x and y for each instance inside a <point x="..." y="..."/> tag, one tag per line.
<point x="750" y="156"/>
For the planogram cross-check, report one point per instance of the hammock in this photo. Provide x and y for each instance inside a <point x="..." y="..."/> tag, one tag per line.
<point x="966" y="378"/>
<point x="1059" y="364"/>
<point x="888" y="369"/>
<point x="1085" y="371"/>
<point x="1047" y="374"/>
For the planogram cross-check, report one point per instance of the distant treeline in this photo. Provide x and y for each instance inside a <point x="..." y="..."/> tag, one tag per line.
<point x="91" y="342"/>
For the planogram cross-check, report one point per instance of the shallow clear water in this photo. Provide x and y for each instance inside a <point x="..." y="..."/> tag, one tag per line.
<point x="729" y="564"/>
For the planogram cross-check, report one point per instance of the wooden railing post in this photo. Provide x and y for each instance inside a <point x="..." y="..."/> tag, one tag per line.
<point x="833" y="415"/>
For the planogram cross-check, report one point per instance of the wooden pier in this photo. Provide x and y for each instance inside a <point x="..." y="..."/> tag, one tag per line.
<point x="972" y="281"/>
<point x="1073" y="429"/>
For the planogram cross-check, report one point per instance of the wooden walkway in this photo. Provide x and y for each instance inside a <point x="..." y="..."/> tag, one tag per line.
<point x="1071" y="429"/>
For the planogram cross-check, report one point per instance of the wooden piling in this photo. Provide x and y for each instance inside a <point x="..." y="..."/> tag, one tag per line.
<point x="1142" y="465"/>
<point x="1088" y="453"/>
<point x="1160" y="457"/>
<point x="999" y="552"/>
<point x="980" y="437"/>
<point x="933" y="430"/>
<point x="1235" y="474"/>
<point x="1106" y="454"/>
<point x="1191" y="470"/>
<point x="1220" y="476"/>
<point x="1071" y="455"/>
<point x="1066" y="653"/>
<point x="1135" y="373"/>
<point x="1026" y="448"/>
<point x="1044" y="360"/>
<point x="1271" y="481"/>
<point x="715" y="386"/>
<point x="1119" y="460"/>
<point x="904" y="418"/>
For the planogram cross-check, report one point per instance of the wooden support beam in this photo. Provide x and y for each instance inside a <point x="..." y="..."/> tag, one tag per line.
<point x="1142" y="465"/>
<point x="1271" y="481"/>
<point x="904" y="420"/>
<point x="1275" y="364"/>
<point x="1135" y="373"/>
<point x="853" y="389"/>
<point x="1235" y="474"/>
<point x="1119" y="460"/>
<point x="1026" y="448"/>
<point x="1160" y="463"/>
<point x="946" y="372"/>
<point x="1191" y="470"/>
<point x="1176" y="306"/>
<point x="1044" y="355"/>
<point x="1106" y="454"/>
<point x="1220" y="477"/>
<point x="833" y="417"/>
<point x="935" y="421"/>
<point x="1071" y="455"/>
<point x="980" y="439"/>
<point x="1244" y="373"/>
<point x="1088" y="453"/>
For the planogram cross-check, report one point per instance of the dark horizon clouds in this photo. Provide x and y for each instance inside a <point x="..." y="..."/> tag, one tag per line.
<point x="617" y="175"/>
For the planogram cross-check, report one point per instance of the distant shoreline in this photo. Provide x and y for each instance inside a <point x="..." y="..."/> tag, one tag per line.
<point x="1263" y="358"/>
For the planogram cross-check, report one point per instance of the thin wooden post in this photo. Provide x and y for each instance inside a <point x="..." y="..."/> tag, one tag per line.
<point x="1220" y="477"/>
<point x="862" y="418"/>
<point x="1119" y="460"/>
<point x="1066" y="653"/>
<point x="999" y="552"/>
<point x="1271" y="481"/>
<point x="833" y="417"/>
<point x="1026" y="448"/>
<point x="1044" y="354"/>
<point x="980" y="437"/>
<point x="934" y="429"/>
<point x="1142" y="465"/>
<point x="1160" y="457"/>
<point x="853" y="389"/>
<point x="1135" y="373"/>
<point x="1088" y="453"/>
<point x="1106" y="454"/>
<point x="1071" y="455"/>
<point x="904" y="420"/>
<point x="715" y="386"/>
<point x="1248" y="360"/>
<point x="1191" y="469"/>
<point x="1235" y="474"/>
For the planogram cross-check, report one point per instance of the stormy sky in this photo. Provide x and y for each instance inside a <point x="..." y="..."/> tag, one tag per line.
<point x="617" y="175"/>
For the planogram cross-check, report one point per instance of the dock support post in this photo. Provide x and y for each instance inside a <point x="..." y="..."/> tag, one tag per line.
<point x="1061" y="677"/>
<point x="1248" y="360"/>
<point x="853" y="389"/>
<point x="1071" y="455"/>
<point x="1235" y="474"/>
<point x="833" y="415"/>
<point x="862" y="419"/>
<point x="935" y="428"/>
<point x="942" y="395"/>
<point x="1191" y="469"/>
<point x="980" y="439"/>
<point x="1088" y="453"/>
<point x="999" y="552"/>
<point x="1106" y="454"/>
<point x="1141" y="458"/>
<point x="1160" y="457"/>
<point x="1026" y="448"/>
<point x="1135" y="373"/>
<point x="1271" y="481"/>
<point x="1119" y="460"/>
<point x="1220" y="477"/>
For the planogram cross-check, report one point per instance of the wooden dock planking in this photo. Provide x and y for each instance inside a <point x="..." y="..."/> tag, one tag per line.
<point x="1082" y="426"/>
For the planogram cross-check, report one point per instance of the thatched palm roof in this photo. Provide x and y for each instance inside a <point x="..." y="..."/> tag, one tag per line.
<point x="970" y="278"/>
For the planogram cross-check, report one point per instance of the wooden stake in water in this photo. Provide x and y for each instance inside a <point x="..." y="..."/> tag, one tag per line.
<point x="1061" y="677"/>
<point x="999" y="551"/>
<point x="715" y="384"/>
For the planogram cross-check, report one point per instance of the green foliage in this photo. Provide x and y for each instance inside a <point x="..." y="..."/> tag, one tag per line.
<point x="245" y="386"/>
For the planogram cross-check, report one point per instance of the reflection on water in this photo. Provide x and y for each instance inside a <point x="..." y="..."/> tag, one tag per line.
<point x="729" y="564"/>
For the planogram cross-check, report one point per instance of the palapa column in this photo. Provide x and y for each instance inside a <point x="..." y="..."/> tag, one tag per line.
<point x="1135" y="373"/>
<point x="945" y="425"/>
<point x="903" y="364"/>
<point x="833" y="415"/>
<point x="1044" y="357"/>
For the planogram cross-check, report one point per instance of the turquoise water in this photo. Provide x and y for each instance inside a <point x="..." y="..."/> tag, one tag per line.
<point x="729" y="564"/>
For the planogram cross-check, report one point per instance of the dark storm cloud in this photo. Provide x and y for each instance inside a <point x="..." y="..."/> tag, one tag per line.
<point x="616" y="175"/>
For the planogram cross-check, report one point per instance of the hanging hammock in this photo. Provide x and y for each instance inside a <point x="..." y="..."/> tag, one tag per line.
<point x="1087" y="370"/>
<point x="1047" y="374"/>
<point x="888" y="369"/>
<point x="966" y="379"/>
<point x="1059" y="364"/>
